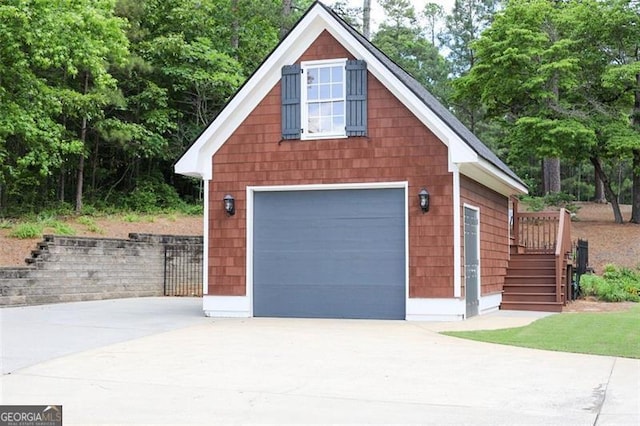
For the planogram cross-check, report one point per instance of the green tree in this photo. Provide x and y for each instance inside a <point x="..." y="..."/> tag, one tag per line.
<point x="608" y="35"/>
<point x="401" y="38"/>
<point x="433" y="13"/>
<point x="463" y="26"/>
<point x="66" y="50"/>
<point x="540" y="74"/>
<point x="30" y="147"/>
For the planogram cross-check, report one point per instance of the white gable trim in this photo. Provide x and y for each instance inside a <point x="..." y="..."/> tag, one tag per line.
<point x="197" y="161"/>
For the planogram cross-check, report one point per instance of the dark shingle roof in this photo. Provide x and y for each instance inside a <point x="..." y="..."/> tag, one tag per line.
<point x="429" y="100"/>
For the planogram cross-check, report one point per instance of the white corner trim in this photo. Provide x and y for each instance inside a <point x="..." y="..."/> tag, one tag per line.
<point x="226" y="306"/>
<point x="457" y="235"/>
<point x="434" y="309"/>
<point x="249" y="244"/>
<point x="205" y="239"/>
<point x="490" y="303"/>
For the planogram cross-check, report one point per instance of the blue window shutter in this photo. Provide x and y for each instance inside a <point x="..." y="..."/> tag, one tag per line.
<point x="291" y="101"/>
<point x="356" y="98"/>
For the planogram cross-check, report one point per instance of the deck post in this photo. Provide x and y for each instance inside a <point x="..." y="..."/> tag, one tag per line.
<point x="516" y="222"/>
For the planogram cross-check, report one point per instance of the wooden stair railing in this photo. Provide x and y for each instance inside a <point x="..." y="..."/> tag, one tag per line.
<point x="541" y="233"/>
<point x="563" y="250"/>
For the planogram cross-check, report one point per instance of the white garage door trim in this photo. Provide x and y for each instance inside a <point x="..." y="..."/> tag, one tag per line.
<point x="251" y="190"/>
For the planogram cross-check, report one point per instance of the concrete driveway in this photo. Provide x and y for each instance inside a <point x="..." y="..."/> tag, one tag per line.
<point x="158" y="361"/>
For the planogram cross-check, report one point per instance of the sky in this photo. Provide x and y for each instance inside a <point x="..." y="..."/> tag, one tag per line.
<point x="376" y="11"/>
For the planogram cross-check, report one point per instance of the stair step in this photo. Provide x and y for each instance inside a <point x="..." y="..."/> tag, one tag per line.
<point x="528" y="297"/>
<point x="532" y="265"/>
<point x="533" y="257"/>
<point x="530" y="288"/>
<point x="523" y="261"/>
<point x="530" y="280"/>
<point x="527" y="269"/>
<point x="532" y="306"/>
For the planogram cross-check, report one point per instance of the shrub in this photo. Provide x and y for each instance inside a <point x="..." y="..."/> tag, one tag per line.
<point x="132" y="217"/>
<point x="535" y="204"/>
<point x="153" y="195"/>
<point x="61" y="228"/>
<point x="615" y="285"/>
<point x="91" y="224"/>
<point x="27" y="230"/>
<point x="192" y="209"/>
<point x="89" y="209"/>
<point x="560" y="199"/>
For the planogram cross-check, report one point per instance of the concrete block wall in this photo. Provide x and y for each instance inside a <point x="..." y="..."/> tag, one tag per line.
<point x="68" y="269"/>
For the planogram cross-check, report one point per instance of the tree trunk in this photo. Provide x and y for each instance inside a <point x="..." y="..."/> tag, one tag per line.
<point x="551" y="175"/>
<point x="366" y="19"/>
<point x="635" y="200"/>
<point x="235" y="26"/>
<point x="94" y="165"/>
<point x="287" y="7"/>
<point x="83" y="138"/>
<point x="61" y="182"/>
<point x="600" y="196"/>
<point x="635" y="167"/>
<point x="611" y="196"/>
<point x="80" y="177"/>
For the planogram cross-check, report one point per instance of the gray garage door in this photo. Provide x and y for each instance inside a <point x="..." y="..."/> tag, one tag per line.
<point x="329" y="254"/>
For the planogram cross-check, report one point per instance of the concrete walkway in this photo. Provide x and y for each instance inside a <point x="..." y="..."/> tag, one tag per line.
<point x="160" y="362"/>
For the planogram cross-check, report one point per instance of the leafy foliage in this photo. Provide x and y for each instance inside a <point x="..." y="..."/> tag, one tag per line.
<point x="561" y="80"/>
<point x="61" y="228"/>
<point x="98" y="98"/>
<point x="556" y="199"/>
<point x="27" y="230"/>
<point x="404" y="41"/>
<point x="615" y="285"/>
<point x="91" y="224"/>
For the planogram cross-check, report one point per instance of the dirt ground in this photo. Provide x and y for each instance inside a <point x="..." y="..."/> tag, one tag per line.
<point x="608" y="241"/>
<point x="597" y="306"/>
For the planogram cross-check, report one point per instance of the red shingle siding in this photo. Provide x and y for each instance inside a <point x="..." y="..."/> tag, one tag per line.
<point x="494" y="233"/>
<point x="398" y="148"/>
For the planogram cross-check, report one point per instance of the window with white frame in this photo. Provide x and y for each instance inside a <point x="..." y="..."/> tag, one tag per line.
<point x="323" y="98"/>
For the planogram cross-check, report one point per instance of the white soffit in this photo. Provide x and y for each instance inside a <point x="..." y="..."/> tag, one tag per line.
<point x="488" y="175"/>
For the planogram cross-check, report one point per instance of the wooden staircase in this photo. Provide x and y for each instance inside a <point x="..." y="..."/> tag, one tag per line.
<point x="530" y="284"/>
<point x="540" y="269"/>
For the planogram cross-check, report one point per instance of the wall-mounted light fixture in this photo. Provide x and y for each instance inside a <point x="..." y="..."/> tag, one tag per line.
<point x="424" y="200"/>
<point x="229" y="205"/>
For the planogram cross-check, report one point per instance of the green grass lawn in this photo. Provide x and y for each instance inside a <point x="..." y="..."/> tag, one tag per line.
<point x="609" y="333"/>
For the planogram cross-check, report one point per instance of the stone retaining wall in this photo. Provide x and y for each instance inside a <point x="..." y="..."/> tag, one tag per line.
<point x="69" y="269"/>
